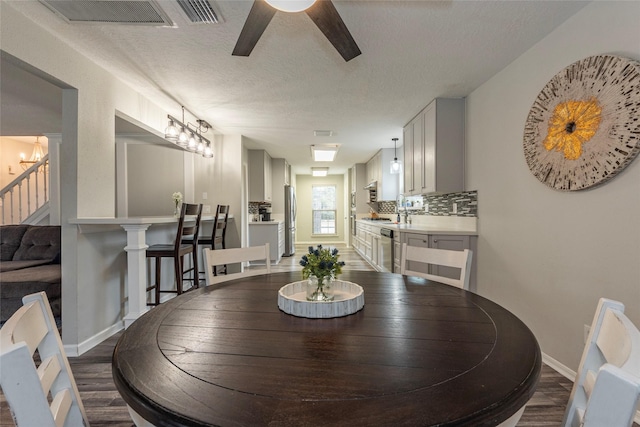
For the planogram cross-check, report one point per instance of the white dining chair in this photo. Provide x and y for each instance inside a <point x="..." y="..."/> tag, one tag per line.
<point x="439" y="257"/>
<point x="236" y="255"/>
<point x="27" y="386"/>
<point x="607" y="386"/>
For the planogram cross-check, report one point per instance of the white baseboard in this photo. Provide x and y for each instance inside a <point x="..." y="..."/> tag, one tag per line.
<point x="569" y="374"/>
<point x="86" y="345"/>
<point x="559" y="367"/>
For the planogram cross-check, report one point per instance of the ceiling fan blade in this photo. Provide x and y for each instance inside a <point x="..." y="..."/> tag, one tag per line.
<point x="257" y="21"/>
<point x="327" y="18"/>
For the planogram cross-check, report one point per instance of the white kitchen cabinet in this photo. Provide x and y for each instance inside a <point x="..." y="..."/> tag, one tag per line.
<point x="260" y="179"/>
<point x="373" y="168"/>
<point x="271" y="232"/>
<point x="379" y="170"/>
<point x="437" y="138"/>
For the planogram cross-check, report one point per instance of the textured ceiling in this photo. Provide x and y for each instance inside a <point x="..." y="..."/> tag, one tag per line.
<point x="294" y="82"/>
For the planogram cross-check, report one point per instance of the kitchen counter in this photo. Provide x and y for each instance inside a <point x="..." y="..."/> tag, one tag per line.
<point x="424" y="224"/>
<point x="439" y="232"/>
<point x="266" y="222"/>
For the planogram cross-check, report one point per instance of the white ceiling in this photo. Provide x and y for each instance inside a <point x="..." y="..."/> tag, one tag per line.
<point x="295" y="82"/>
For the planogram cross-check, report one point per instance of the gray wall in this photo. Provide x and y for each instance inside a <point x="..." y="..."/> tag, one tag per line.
<point x="546" y="255"/>
<point x="154" y="173"/>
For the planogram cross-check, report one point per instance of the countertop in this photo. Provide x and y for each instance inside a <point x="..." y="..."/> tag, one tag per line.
<point x="463" y="226"/>
<point x="266" y="222"/>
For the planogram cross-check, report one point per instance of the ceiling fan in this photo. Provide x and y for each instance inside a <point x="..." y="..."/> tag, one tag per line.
<point x="322" y="12"/>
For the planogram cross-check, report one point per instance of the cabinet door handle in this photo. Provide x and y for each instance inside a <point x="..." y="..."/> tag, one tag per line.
<point x="424" y="241"/>
<point x="435" y="241"/>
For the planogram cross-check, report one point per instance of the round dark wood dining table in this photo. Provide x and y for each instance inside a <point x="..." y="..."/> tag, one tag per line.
<point x="419" y="353"/>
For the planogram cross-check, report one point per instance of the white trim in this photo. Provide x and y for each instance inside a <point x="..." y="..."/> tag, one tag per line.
<point x="559" y="367"/>
<point x="569" y="374"/>
<point x="88" y="344"/>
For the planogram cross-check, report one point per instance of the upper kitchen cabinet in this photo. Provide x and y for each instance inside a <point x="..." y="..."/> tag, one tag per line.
<point x="359" y="196"/>
<point x="260" y="181"/>
<point x="373" y="168"/>
<point x="437" y="134"/>
<point x="379" y="170"/>
<point x="413" y="136"/>
<point x="281" y="176"/>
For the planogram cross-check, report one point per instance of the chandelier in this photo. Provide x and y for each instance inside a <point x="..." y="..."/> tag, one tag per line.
<point x="36" y="156"/>
<point x="189" y="136"/>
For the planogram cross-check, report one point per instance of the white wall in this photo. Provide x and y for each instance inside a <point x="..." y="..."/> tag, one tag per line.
<point x="547" y="255"/>
<point x="93" y="276"/>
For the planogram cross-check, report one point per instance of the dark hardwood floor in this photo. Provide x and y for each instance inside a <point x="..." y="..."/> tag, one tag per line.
<point x="105" y="407"/>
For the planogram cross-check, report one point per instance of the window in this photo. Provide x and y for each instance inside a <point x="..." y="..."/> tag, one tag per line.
<point x="324" y="209"/>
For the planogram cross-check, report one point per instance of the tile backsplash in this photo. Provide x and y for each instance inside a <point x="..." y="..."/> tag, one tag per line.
<point x="440" y="205"/>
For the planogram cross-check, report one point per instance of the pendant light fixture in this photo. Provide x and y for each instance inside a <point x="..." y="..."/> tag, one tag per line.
<point x="189" y="136"/>
<point x="396" y="165"/>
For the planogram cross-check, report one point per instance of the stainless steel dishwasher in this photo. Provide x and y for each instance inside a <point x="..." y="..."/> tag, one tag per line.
<point x="385" y="251"/>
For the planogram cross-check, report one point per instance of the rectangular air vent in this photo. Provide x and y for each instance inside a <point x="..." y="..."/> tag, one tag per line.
<point x="200" y="11"/>
<point x="133" y="12"/>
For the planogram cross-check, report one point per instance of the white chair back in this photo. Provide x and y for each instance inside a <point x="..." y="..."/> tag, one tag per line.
<point x="440" y="257"/>
<point x="607" y="387"/>
<point x="236" y="255"/>
<point x="27" y="387"/>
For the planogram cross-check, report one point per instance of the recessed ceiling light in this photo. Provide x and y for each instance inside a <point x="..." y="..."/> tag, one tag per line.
<point x="324" y="153"/>
<point x="319" y="171"/>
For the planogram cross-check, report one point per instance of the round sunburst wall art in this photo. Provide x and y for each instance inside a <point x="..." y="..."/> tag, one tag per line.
<point x="584" y="126"/>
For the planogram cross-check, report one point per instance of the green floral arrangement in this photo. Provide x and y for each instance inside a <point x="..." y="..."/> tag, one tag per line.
<point x="321" y="263"/>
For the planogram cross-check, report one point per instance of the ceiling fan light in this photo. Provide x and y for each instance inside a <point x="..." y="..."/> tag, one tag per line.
<point x="291" y="5"/>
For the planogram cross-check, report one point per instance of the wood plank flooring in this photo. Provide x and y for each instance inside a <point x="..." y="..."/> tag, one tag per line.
<point x="105" y="407"/>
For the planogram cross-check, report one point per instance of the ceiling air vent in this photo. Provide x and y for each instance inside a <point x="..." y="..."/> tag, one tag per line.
<point x="200" y="11"/>
<point x="133" y="12"/>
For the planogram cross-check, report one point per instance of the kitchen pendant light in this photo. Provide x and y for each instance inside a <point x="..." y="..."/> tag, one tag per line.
<point x="396" y="165"/>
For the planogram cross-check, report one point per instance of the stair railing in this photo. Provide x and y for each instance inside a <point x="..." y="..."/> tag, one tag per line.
<point x="25" y="194"/>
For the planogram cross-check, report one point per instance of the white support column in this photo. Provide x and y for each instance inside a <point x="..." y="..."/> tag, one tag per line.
<point x="136" y="271"/>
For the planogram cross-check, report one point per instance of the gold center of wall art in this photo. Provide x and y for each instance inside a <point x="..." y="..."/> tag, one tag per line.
<point x="584" y="126"/>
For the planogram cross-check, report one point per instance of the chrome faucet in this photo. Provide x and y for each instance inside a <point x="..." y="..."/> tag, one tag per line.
<point x="406" y="216"/>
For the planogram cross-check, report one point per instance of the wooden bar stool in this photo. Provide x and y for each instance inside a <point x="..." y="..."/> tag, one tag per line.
<point x="218" y="234"/>
<point x="187" y="227"/>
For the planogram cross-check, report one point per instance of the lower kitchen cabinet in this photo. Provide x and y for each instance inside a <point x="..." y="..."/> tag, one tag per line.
<point x="397" y="252"/>
<point x="448" y="242"/>
<point x="271" y="232"/>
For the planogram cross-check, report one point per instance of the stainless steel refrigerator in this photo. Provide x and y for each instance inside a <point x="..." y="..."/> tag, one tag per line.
<point x="289" y="220"/>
